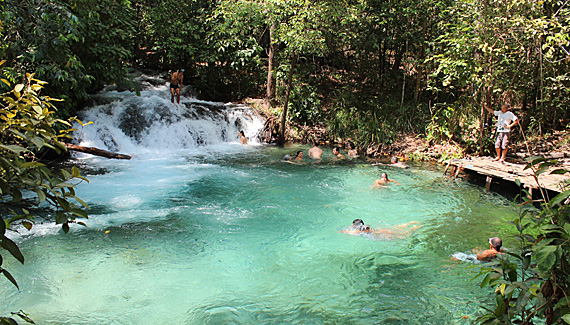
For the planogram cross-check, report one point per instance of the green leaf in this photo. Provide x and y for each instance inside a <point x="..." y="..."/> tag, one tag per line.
<point x="82" y="203"/>
<point x="11" y="247"/>
<point x="78" y="212"/>
<point x="41" y="195"/>
<point x="558" y="199"/>
<point x="24" y="316"/>
<point x="560" y="171"/>
<point x="10" y="278"/>
<point x="60" y="217"/>
<point x="544" y="167"/>
<point x="566" y="318"/>
<point x="75" y="172"/>
<point x="16" y="195"/>
<point x="485" y="281"/>
<point x="533" y="161"/>
<point x="65" y="227"/>
<point x="15" y="149"/>
<point x="546" y="257"/>
<point x="7" y="321"/>
<point x="2" y="227"/>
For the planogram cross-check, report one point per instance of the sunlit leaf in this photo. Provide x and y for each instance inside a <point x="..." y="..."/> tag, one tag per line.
<point x="28" y="225"/>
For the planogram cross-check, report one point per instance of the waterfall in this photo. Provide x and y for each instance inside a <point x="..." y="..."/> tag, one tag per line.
<point x="125" y="122"/>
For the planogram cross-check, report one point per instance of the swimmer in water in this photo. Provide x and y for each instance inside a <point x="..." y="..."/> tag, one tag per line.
<point x="481" y="256"/>
<point x="299" y="156"/>
<point x="315" y="152"/>
<point x="383" y="181"/>
<point x="352" y="152"/>
<point x="394" y="162"/>
<point x="491" y="253"/>
<point x="336" y="153"/>
<point x="243" y="140"/>
<point x="400" y="231"/>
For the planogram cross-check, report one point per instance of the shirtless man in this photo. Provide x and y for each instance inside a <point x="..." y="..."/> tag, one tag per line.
<point x="315" y="152"/>
<point x="489" y="254"/>
<point x="383" y="181"/>
<point x="397" y="163"/>
<point x="176" y="85"/>
<point x="358" y="228"/>
<point x="336" y="153"/>
<point x="299" y="156"/>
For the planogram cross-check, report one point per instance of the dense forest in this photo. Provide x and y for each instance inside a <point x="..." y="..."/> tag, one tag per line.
<point x="365" y="69"/>
<point x="368" y="70"/>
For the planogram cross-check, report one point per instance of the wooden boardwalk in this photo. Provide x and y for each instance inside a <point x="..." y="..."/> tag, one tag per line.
<point x="506" y="171"/>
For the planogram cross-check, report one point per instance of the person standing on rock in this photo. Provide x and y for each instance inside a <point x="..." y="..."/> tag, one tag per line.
<point x="176" y="85"/>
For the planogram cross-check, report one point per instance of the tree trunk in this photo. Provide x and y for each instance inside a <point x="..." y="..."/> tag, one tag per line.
<point x="97" y="152"/>
<point x="270" y="68"/>
<point x="420" y="64"/>
<point x="282" y="126"/>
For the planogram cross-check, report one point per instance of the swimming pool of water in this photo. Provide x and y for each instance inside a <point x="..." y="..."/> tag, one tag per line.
<point x="232" y="235"/>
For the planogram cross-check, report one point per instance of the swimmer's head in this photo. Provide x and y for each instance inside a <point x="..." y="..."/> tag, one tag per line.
<point x="357" y="222"/>
<point x="299" y="154"/>
<point x="384" y="176"/>
<point x="241" y="133"/>
<point x="394" y="159"/>
<point x="496" y="243"/>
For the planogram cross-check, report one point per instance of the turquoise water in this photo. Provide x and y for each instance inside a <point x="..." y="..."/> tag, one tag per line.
<point x="231" y="235"/>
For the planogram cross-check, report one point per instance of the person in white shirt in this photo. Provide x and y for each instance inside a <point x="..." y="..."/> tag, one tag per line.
<point x="506" y="120"/>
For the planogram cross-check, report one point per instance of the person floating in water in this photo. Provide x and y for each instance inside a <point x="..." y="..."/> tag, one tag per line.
<point x="176" y="85"/>
<point x="400" y="231"/>
<point x="383" y="181"/>
<point x="491" y="253"/>
<point x="336" y="153"/>
<point x="243" y="140"/>
<point x="299" y="156"/>
<point x="315" y="152"/>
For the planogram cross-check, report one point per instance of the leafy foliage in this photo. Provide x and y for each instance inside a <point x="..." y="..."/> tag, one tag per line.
<point x="27" y="128"/>
<point x="77" y="46"/>
<point x="536" y="285"/>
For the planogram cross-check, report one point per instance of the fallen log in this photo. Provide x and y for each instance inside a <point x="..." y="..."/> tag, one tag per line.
<point x="97" y="152"/>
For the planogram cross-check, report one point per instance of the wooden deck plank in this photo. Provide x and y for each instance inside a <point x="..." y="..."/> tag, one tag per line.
<point x="509" y="172"/>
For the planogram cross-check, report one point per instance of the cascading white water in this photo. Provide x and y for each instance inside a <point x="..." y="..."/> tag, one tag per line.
<point x="150" y="123"/>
